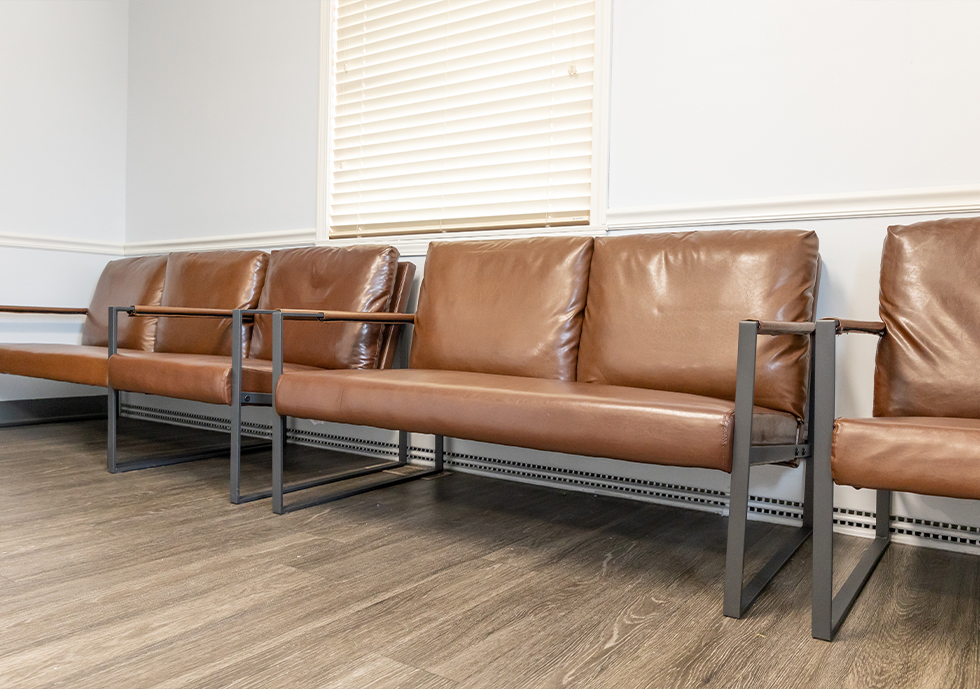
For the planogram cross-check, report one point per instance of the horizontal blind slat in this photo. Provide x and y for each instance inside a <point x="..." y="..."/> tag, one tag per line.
<point x="460" y="114"/>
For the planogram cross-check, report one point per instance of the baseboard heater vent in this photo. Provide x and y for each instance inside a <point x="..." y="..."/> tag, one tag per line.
<point x="907" y="529"/>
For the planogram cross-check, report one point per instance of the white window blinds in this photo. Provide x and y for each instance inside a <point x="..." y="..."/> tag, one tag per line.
<point x="460" y="114"/>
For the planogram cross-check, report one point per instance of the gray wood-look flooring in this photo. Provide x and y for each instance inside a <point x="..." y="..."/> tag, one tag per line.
<point x="152" y="579"/>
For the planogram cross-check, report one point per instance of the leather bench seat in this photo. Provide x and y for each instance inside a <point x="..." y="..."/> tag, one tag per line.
<point x="200" y="377"/>
<point x="84" y="364"/>
<point x="613" y="421"/>
<point x="927" y="455"/>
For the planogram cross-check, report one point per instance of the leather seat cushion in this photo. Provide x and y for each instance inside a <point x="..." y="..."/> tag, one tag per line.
<point x="561" y="416"/>
<point x="928" y="455"/>
<point x="82" y="364"/>
<point x="201" y="377"/>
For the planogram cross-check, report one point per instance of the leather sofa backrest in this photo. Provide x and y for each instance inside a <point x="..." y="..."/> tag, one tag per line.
<point x="399" y="304"/>
<point x="358" y="278"/>
<point x="928" y="362"/>
<point x="511" y="307"/>
<point x="209" y="279"/>
<point x="663" y="312"/>
<point x="126" y="282"/>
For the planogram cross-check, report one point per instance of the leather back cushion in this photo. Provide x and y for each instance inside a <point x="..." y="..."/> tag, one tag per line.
<point x="663" y="312"/>
<point x="360" y="278"/>
<point x="512" y="307"/>
<point x="126" y="282"/>
<point x="399" y="303"/>
<point x="928" y="363"/>
<point x="215" y="280"/>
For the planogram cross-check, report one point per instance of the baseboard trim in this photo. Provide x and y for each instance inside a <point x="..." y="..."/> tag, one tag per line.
<point x="52" y="410"/>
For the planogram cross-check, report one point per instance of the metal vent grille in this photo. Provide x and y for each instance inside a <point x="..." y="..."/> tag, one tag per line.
<point x="907" y="529"/>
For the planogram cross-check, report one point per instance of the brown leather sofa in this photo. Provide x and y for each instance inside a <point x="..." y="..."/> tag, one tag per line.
<point x="924" y="435"/>
<point x="219" y="350"/>
<point x="626" y="347"/>
<point x="124" y="281"/>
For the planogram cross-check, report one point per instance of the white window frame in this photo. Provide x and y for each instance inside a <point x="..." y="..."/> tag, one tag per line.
<point x="416" y="245"/>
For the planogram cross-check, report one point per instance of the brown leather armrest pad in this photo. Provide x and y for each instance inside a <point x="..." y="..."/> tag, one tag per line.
<point x="785" y="328"/>
<point x="354" y="316"/>
<point x="43" y="309"/>
<point x="845" y="325"/>
<point x="183" y="312"/>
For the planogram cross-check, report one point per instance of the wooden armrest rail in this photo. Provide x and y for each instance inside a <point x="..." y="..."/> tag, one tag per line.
<point x="847" y="325"/>
<point x="43" y="309"/>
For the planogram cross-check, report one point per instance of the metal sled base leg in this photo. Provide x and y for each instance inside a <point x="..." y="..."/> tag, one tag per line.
<point x="751" y="590"/>
<point x="320" y="481"/>
<point x="830" y="612"/>
<point x="386" y="470"/>
<point x="166" y="459"/>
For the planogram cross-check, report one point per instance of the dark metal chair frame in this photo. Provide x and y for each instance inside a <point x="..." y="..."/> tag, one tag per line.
<point x="239" y="399"/>
<point x="279" y="489"/>
<point x="239" y="317"/>
<point x="738" y="598"/>
<point x="745" y="455"/>
<point x="830" y="611"/>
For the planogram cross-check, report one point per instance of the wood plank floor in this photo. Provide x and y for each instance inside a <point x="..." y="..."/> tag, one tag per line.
<point x="152" y="579"/>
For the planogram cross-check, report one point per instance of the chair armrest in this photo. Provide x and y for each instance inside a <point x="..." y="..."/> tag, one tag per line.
<point x="347" y="316"/>
<point x="748" y="343"/>
<point x="785" y="328"/>
<point x="189" y="312"/>
<point x="845" y="325"/>
<point x="44" y="309"/>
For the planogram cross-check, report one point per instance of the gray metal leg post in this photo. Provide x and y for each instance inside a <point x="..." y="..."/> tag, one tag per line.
<point x="279" y="424"/>
<point x="829" y="611"/>
<point x="278" y="450"/>
<point x="235" y="483"/>
<point x="440" y="450"/>
<point x="823" y="483"/>
<point x="113" y="395"/>
<point x="403" y="447"/>
<point x="739" y="497"/>
<point x="112" y="430"/>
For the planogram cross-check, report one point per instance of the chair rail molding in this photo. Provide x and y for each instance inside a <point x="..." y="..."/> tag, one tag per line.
<point x="84" y="246"/>
<point x="252" y="240"/>
<point x="908" y="202"/>
<point x="900" y="202"/>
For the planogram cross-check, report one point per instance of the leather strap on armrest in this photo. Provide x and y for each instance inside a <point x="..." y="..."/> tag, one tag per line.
<point x="845" y="325"/>
<point x="43" y="309"/>
<point x="785" y="328"/>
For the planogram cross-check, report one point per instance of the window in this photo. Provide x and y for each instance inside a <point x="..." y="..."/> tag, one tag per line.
<point x="449" y="115"/>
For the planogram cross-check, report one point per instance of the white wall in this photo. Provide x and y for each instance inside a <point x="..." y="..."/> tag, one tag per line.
<point x="717" y="101"/>
<point x="63" y="118"/>
<point x="223" y="107"/>
<point x="62" y="163"/>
